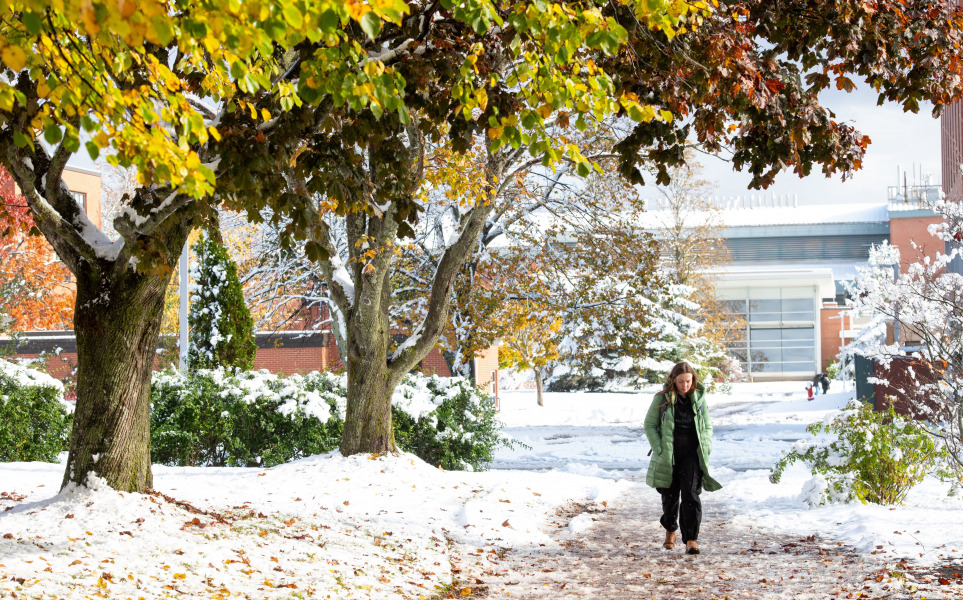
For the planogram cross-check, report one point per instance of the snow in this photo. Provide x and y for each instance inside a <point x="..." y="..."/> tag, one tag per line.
<point x="370" y="526"/>
<point x="29" y="377"/>
<point x="742" y="216"/>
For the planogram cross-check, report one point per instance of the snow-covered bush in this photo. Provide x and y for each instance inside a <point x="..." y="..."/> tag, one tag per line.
<point x="224" y="417"/>
<point x="922" y="301"/>
<point x="34" y="419"/>
<point x="221" y="326"/>
<point x="447" y="422"/>
<point x="864" y="455"/>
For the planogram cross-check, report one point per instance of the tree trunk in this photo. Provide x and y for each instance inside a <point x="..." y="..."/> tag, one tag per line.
<point x="539" y="386"/>
<point x="367" y="424"/>
<point x="117" y="322"/>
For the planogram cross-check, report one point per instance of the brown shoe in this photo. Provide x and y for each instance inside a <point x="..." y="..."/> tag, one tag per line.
<point x="691" y="547"/>
<point x="669" y="542"/>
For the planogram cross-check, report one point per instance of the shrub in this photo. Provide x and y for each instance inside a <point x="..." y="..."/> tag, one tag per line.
<point x="223" y="417"/>
<point x="240" y="418"/>
<point x="221" y="327"/>
<point x="865" y="455"/>
<point x="447" y="422"/>
<point x="34" y="419"/>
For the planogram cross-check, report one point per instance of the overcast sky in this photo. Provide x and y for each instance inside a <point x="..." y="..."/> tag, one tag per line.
<point x="898" y="139"/>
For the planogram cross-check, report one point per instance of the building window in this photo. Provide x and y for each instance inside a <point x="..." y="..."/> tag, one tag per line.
<point x="780" y="334"/>
<point x="81" y="199"/>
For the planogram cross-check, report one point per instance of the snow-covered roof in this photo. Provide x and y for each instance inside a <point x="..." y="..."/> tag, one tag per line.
<point x="736" y="215"/>
<point x="840" y="270"/>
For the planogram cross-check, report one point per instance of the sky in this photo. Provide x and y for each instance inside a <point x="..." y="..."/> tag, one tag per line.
<point x="899" y="139"/>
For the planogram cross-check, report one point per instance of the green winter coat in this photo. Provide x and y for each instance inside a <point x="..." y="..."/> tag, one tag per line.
<point x="660" y="435"/>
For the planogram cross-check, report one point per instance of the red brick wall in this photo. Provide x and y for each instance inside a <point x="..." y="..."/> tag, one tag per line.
<point x="829" y="327"/>
<point x="59" y="367"/>
<point x="434" y="364"/>
<point x="291" y="360"/>
<point x="905" y="230"/>
<point x="903" y="391"/>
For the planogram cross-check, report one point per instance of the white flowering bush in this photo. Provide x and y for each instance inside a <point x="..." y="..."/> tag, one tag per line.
<point x="861" y="454"/>
<point x="225" y="417"/>
<point x="34" y="418"/>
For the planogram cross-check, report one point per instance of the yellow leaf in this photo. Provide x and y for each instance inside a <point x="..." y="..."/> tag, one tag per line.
<point x="214" y="133"/>
<point x="180" y="575"/>
<point x="14" y="57"/>
<point x="6" y="99"/>
<point x="265" y="114"/>
<point x="466" y="592"/>
<point x="666" y="116"/>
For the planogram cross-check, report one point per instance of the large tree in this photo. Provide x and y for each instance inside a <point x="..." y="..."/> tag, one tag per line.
<point x="325" y="108"/>
<point x="150" y="82"/>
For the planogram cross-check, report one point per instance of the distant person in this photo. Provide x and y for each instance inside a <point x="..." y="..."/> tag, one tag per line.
<point x="824" y="382"/>
<point x="680" y="434"/>
<point x="815" y="382"/>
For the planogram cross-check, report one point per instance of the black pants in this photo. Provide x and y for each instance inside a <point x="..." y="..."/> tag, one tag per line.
<point x="681" y="504"/>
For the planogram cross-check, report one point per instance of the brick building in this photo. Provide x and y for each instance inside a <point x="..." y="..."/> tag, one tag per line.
<point x="789" y="268"/>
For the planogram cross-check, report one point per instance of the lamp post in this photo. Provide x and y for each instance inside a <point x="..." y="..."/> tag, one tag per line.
<point x="184" y="266"/>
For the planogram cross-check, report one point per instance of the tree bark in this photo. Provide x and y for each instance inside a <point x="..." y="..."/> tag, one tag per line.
<point x="117" y="322"/>
<point x="367" y="424"/>
<point x="539" y="385"/>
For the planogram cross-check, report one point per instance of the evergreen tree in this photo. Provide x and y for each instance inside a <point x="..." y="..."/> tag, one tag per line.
<point x="221" y="327"/>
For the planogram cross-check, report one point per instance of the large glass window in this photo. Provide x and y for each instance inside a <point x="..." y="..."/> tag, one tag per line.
<point x="780" y="334"/>
<point x="782" y="350"/>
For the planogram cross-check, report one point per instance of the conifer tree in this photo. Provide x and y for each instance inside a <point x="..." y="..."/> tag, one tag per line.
<point x="221" y="327"/>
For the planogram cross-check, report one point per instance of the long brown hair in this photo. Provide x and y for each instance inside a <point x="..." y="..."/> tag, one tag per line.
<point x="678" y="369"/>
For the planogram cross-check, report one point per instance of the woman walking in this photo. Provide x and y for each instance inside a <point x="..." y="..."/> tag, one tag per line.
<point x="680" y="434"/>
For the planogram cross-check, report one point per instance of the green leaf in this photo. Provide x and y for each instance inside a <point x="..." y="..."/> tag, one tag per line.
<point x="71" y="143"/>
<point x="405" y="230"/>
<point x="163" y="29"/>
<point x="207" y="173"/>
<point x="93" y="150"/>
<point x="52" y="133"/>
<point x="32" y="21"/>
<point x="20" y="140"/>
<point x="293" y="16"/>
<point x="371" y="24"/>
<point x="329" y="21"/>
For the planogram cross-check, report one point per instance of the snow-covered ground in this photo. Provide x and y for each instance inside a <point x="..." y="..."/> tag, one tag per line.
<point x="601" y="435"/>
<point x="376" y="527"/>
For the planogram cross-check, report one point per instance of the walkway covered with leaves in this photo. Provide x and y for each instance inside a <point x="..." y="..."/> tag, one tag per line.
<point x="620" y="556"/>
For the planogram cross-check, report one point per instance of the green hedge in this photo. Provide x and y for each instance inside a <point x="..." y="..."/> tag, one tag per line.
<point x="253" y="418"/>
<point x="34" y="419"/>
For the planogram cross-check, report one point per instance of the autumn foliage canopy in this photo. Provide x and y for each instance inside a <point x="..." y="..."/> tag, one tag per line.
<point x="34" y="285"/>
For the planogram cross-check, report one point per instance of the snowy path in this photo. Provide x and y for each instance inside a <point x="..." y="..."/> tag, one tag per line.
<point x="758" y="540"/>
<point x="619" y="556"/>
